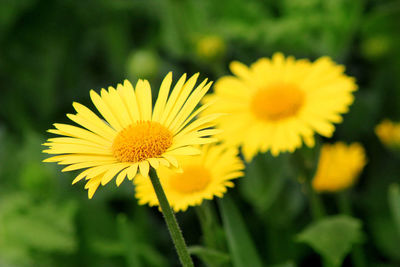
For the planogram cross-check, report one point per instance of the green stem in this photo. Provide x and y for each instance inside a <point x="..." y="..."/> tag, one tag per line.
<point x="357" y="254"/>
<point x="210" y="226"/>
<point x="306" y="163"/>
<point x="206" y="225"/>
<point x="394" y="204"/>
<point x="172" y="224"/>
<point x="317" y="207"/>
<point x="344" y="203"/>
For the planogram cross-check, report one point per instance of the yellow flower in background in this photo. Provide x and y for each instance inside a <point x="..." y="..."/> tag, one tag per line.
<point x="210" y="47"/>
<point x="204" y="176"/>
<point x="133" y="136"/>
<point x="276" y="104"/>
<point x="389" y="133"/>
<point x="339" y="166"/>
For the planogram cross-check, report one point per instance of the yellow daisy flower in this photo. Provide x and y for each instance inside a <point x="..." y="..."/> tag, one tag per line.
<point x="339" y="166"/>
<point x="389" y="133"/>
<point x="132" y="136"/>
<point x="210" y="47"/>
<point x="204" y="176"/>
<point x="276" y="104"/>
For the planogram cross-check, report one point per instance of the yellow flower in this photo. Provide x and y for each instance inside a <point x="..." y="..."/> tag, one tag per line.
<point x="279" y="103"/>
<point x="204" y="176"/>
<point x="132" y="136"/>
<point x="210" y="47"/>
<point x="339" y="166"/>
<point x="389" y="133"/>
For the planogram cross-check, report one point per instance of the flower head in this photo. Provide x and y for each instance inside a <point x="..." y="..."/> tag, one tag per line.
<point x="276" y="104"/>
<point x="133" y="136"/>
<point x="339" y="166"/>
<point x="210" y="47"/>
<point x="389" y="133"/>
<point x="204" y="176"/>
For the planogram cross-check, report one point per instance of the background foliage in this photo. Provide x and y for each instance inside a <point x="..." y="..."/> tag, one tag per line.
<point x="53" y="51"/>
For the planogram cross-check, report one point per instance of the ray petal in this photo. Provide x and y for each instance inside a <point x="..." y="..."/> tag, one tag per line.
<point x="143" y="96"/>
<point x="144" y="168"/>
<point x="162" y="97"/>
<point x="105" y="110"/>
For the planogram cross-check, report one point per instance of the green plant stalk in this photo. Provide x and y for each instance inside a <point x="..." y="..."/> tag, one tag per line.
<point x="306" y="171"/>
<point x="317" y="209"/>
<point x="317" y="206"/>
<point x="172" y="224"/>
<point x="394" y="204"/>
<point x="357" y="254"/>
<point x="207" y="219"/>
<point x="125" y="236"/>
<point x="205" y="224"/>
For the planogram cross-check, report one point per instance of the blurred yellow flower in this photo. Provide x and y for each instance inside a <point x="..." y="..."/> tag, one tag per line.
<point x="204" y="176"/>
<point x="276" y="104"/>
<point x="132" y="136"/>
<point x="210" y="47"/>
<point x="339" y="166"/>
<point x="389" y="133"/>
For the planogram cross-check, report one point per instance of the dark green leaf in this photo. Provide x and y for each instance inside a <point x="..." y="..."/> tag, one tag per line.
<point x="210" y="256"/>
<point x="265" y="178"/>
<point x="285" y="264"/>
<point x="394" y="203"/>
<point x="241" y="246"/>
<point x="333" y="237"/>
<point x="385" y="236"/>
<point x="46" y="226"/>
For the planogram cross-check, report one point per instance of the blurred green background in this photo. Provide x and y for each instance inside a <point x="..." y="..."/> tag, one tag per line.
<point x="52" y="52"/>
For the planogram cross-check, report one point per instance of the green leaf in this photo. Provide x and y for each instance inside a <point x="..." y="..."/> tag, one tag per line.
<point x="242" y="249"/>
<point x="27" y="226"/>
<point x="291" y="203"/>
<point x="10" y="12"/>
<point x="128" y="244"/>
<point x="109" y="248"/>
<point x="151" y="255"/>
<point x="136" y="252"/>
<point x="210" y="256"/>
<point x="47" y="227"/>
<point x="384" y="235"/>
<point x="394" y="203"/>
<point x="128" y="240"/>
<point x="285" y="264"/>
<point x="333" y="237"/>
<point x="265" y="178"/>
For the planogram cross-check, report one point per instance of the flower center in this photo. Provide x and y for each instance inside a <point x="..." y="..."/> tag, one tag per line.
<point x="141" y="141"/>
<point x="277" y="102"/>
<point x="193" y="179"/>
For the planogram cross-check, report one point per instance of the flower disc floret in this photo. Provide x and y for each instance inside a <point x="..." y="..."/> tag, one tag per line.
<point x="194" y="179"/>
<point x="277" y="102"/>
<point x="141" y="141"/>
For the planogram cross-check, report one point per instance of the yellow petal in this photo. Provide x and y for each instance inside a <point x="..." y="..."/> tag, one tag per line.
<point x="172" y="160"/>
<point x="143" y="95"/>
<point x="128" y="95"/>
<point x="154" y="162"/>
<point x="172" y="99"/>
<point x="144" y="168"/>
<point x="105" y="111"/>
<point x="182" y="98"/>
<point x="121" y="176"/>
<point x="112" y="172"/>
<point x="97" y="125"/>
<point x="132" y="170"/>
<point x="162" y="97"/>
